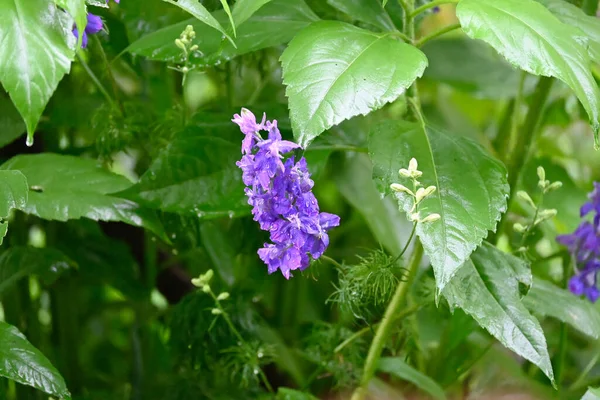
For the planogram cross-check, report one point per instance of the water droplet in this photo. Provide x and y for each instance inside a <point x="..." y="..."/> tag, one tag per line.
<point x="200" y="214"/>
<point x="260" y="354"/>
<point x="173" y="236"/>
<point x="231" y="214"/>
<point x="255" y="371"/>
<point x="29" y="141"/>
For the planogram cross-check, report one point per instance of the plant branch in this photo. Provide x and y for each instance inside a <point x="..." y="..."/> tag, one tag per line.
<point x="429" y="5"/>
<point x="433" y="35"/>
<point x="384" y="329"/>
<point x="97" y="82"/>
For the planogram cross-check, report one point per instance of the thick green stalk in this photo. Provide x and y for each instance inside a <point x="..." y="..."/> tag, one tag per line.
<point x="385" y="327"/>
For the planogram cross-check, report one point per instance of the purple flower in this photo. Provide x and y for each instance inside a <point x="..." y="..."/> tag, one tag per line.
<point x="280" y="193"/>
<point x="435" y="9"/>
<point x="93" y="26"/>
<point x="584" y="245"/>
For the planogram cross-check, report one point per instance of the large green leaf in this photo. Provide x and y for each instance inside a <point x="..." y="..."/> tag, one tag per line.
<point x="552" y="47"/>
<point x="195" y="174"/>
<point x="66" y="187"/>
<point x="273" y="24"/>
<point x="78" y="11"/>
<point x="547" y="299"/>
<point x="334" y="71"/>
<point x="13" y="194"/>
<point x="397" y="367"/>
<point x="244" y="9"/>
<point x="11" y="123"/>
<point x="19" y="262"/>
<point x="368" y="11"/>
<point x="200" y="12"/>
<point x="34" y="54"/>
<point x="471" y="188"/>
<point x="487" y="288"/>
<point x="25" y="364"/>
<point x="572" y="15"/>
<point x="592" y="394"/>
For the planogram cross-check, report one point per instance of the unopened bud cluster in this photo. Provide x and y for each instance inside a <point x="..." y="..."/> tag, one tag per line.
<point x="541" y="215"/>
<point x="203" y="281"/>
<point x="184" y="42"/>
<point x="417" y="193"/>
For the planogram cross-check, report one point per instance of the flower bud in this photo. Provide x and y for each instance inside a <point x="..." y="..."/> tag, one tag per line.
<point x="554" y="186"/>
<point x="179" y="43"/>
<point x="431" y="218"/>
<point x="422" y="193"/>
<point x="545" y="214"/>
<point x="185" y="70"/>
<point x="413" y="164"/>
<point x="519" y="228"/>
<point x="396" y="187"/>
<point x="404" y="172"/>
<point x="414" y="216"/>
<point x="525" y="196"/>
<point x="216" y="311"/>
<point x="207" y="276"/>
<point x="206" y="288"/>
<point x="541" y="173"/>
<point x="194" y="47"/>
<point x="197" y="282"/>
<point x="223" y="296"/>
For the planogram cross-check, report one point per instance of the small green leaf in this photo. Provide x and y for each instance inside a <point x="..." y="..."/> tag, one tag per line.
<point x="195" y="174"/>
<point x="368" y="11"/>
<point x="37" y="58"/>
<point x="244" y="9"/>
<point x="592" y="394"/>
<point x="195" y="8"/>
<point x="284" y="393"/>
<point x="228" y="12"/>
<point x="572" y="15"/>
<point x="397" y="367"/>
<point x="471" y="188"/>
<point x="66" y="187"/>
<point x="25" y="364"/>
<point x="19" y="262"/>
<point x="78" y="10"/>
<point x="487" y="288"/>
<point x="552" y="46"/>
<point x="13" y="194"/>
<point x="544" y="298"/>
<point x="334" y="71"/>
<point x="218" y="247"/>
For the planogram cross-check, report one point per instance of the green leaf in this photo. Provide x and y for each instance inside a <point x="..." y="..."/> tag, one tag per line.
<point x="471" y="188"/>
<point x="284" y="393"/>
<point x="97" y="3"/>
<point x="547" y="299"/>
<point x="19" y="262"/>
<point x="574" y="16"/>
<point x="553" y="48"/>
<point x="592" y="394"/>
<point x="195" y="174"/>
<point x="11" y="123"/>
<point x="78" y="10"/>
<point x="244" y="9"/>
<point x="487" y="288"/>
<point x="66" y="187"/>
<point x="218" y="247"/>
<point x="397" y="367"/>
<point x="368" y="11"/>
<point x="37" y="58"/>
<point x="13" y="194"/>
<point x="470" y="66"/>
<point x="199" y="12"/>
<point x="275" y="23"/>
<point x="334" y="71"/>
<point x="25" y="364"/>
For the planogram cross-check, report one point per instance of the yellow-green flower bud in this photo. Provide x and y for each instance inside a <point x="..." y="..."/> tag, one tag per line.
<point x="431" y="218"/>
<point x="525" y="197"/>
<point x="519" y="228"/>
<point x="541" y="173"/>
<point x="194" y="47"/>
<point x="206" y="288"/>
<point x="404" y="172"/>
<point x="396" y="187"/>
<point x="554" y="186"/>
<point x="223" y="296"/>
<point x="422" y="193"/>
<point x="216" y="311"/>
<point x="179" y="43"/>
<point x="197" y="282"/>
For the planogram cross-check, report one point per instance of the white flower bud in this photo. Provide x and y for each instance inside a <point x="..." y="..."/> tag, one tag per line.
<point x="185" y="70"/>
<point x="179" y="43"/>
<point x="519" y="228"/>
<point x="545" y="214"/>
<point x="554" y="186"/>
<point x="431" y="218"/>
<point x="525" y="196"/>
<point x="414" y="216"/>
<point x="223" y="296"/>
<point x="396" y="187"/>
<point x="404" y="172"/>
<point x="194" y="47"/>
<point x="422" y="193"/>
<point x="197" y="282"/>
<point x="206" y="289"/>
<point x="216" y="311"/>
<point x="541" y="173"/>
<point x="413" y="164"/>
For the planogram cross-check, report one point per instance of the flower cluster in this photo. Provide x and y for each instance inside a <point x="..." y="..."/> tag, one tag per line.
<point x="94" y="25"/>
<point x="418" y="193"/>
<point x="584" y="245"/>
<point x="280" y="193"/>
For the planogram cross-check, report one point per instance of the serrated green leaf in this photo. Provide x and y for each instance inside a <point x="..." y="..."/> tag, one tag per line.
<point x="547" y="299"/>
<point x="397" y="367"/>
<point x="19" y="262"/>
<point x="487" y="288"/>
<point x="334" y="71"/>
<point x="471" y="188"/>
<point x="368" y="11"/>
<point x="66" y="187"/>
<point x="572" y="15"/>
<point x="13" y="194"/>
<point x="200" y="12"/>
<point x="552" y="46"/>
<point x="244" y="9"/>
<point x="195" y="174"/>
<point x="592" y="394"/>
<point x="25" y="364"/>
<point x="78" y="10"/>
<point x="284" y="393"/>
<point x="274" y="24"/>
<point x="37" y="58"/>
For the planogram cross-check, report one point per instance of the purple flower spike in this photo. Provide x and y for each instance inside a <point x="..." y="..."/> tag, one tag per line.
<point x="94" y="25"/>
<point x="280" y="193"/>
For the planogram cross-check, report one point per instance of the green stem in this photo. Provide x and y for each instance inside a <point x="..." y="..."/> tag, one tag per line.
<point x="331" y="261"/>
<point x="429" y="5"/>
<point x="502" y="141"/>
<point x="514" y="120"/>
<point x="111" y="77"/>
<point x="97" y="82"/>
<point x="400" y="35"/>
<point x="340" y="148"/>
<point x="525" y="139"/>
<point x="564" y="333"/>
<point x="433" y="35"/>
<point x="579" y="383"/>
<point x="383" y="331"/>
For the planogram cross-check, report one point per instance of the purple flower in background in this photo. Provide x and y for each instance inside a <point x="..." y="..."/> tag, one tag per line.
<point x="280" y="193"/>
<point x="93" y="26"/>
<point x="584" y="245"/>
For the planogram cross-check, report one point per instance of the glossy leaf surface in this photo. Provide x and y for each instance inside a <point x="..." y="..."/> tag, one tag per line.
<point x="399" y="368"/>
<point x="13" y="194"/>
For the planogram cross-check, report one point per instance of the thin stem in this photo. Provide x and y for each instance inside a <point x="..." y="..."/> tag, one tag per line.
<point x="437" y="33"/>
<point x="412" y="234"/>
<point x="367" y="329"/>
<point x="331" y="261"/>
<point x="340" y="148"/>
<point x="514" y="121"/>
<point x="429" y="5"/>
<point x="401" y="36"/>
<point x="96" y="81"/>
<point x="384" y="329"/>
<point x="111" y="77"/>
<point x="579" y="383"/>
